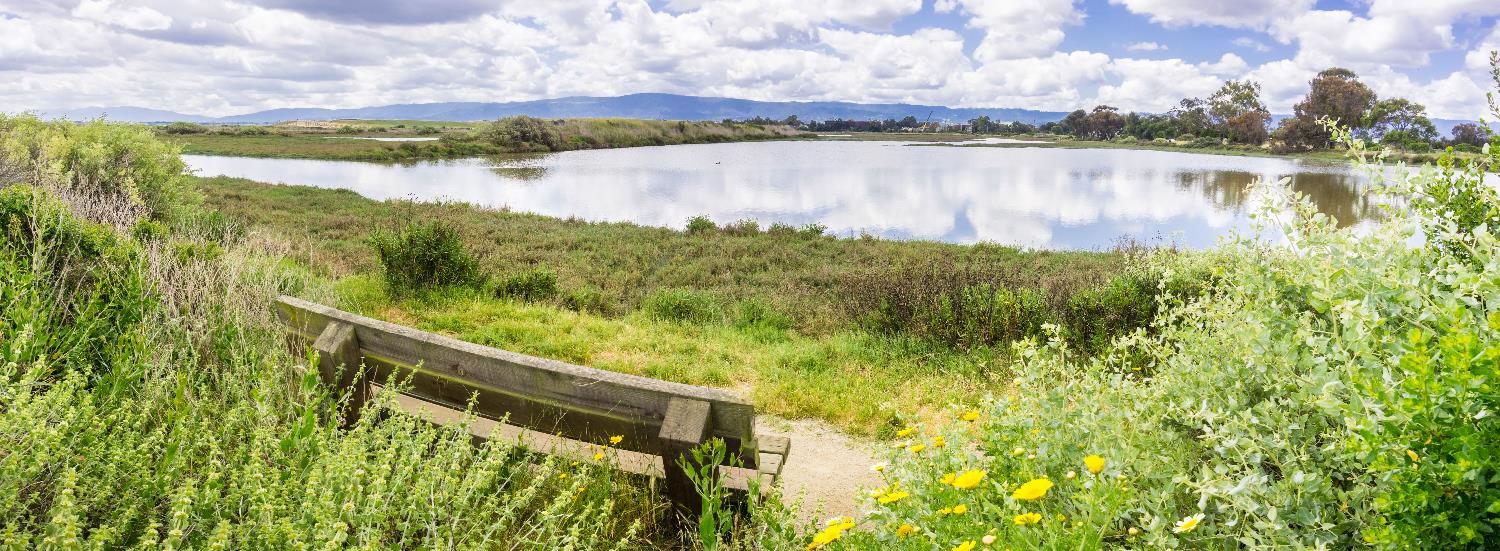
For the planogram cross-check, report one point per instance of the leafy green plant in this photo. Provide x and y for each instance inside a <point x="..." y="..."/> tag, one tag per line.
<point x="700" y="224"/>
<point x="421" y="255"/>
<point x="535" y="284"/>
<point x="682" y="305"/>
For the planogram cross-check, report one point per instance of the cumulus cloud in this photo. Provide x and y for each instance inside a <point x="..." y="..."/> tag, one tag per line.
<point x="1250" y="14"/>
<point x="1145" y="47"/>
<point x="230" y="56"/>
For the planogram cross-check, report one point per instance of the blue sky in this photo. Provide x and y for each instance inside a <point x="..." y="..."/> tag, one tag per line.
<point x="220" y="57"/>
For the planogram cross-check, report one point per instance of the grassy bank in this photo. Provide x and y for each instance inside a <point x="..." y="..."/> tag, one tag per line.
<point x="852" y="331"/>
<point x="335" y="140"/>
<point x="147" y="399"/>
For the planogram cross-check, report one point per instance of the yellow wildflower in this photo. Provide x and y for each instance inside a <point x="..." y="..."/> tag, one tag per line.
<point x="1061" y="517"/>
<point x="616" y="439"/>
<point x="945" y="511"/>
<point x="1414" y="457"/>
<point x="970" y="415"/>
<point x="905" y="530"/>
<point x="903" y="433"/>
<point x="1026" y="518"/>
<point x="938" y="442"/>
<point x="878" y="467"/>
<point x="892" y="497"/>
<point x="918" y="448"/>
<point x="1033" y="490"/>
<point x="598" y="456"/>
<point x="987" y="539"/>
<point x="1187" y="524"/>
<point x="968" y="480"/>
<point x="832" y="532"/>
<point x="1094" y="463"/>
<point x="960" y="509"/>
<point x="948" y="478"/>
<point x="965" y="546"/>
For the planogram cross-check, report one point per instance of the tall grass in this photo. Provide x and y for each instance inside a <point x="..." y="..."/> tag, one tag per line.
<point x="147" y="400"/>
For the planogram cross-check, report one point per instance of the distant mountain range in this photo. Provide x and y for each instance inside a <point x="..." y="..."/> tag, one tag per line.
<point x="633" y="106"/>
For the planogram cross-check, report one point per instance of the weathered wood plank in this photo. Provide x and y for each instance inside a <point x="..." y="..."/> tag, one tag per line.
<point x="686" y="426"/>
<point x="339" y="365"/>
<point x="578" y="401"/>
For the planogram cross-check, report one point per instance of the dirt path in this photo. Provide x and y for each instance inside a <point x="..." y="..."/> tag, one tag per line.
<point x="826" y="470"/>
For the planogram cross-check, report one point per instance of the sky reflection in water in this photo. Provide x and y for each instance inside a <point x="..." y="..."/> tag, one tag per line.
<point x="1033" y="197"/>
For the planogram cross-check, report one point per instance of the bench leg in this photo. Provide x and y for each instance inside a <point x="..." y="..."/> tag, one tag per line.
<point x="338" y="347"/>
<point x="685" y="427"/>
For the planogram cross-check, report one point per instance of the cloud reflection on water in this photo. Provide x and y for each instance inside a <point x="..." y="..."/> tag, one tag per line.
<point x="1035" y="197"/>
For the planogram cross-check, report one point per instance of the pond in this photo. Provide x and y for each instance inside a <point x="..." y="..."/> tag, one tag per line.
<point x="1045" y="198"/>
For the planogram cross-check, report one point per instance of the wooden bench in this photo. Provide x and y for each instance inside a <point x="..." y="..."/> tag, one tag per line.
<point x="550" y="406"/>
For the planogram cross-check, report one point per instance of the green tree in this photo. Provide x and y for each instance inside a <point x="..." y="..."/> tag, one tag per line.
<point x="1337" y="94"/>
<point x="1237" y="111"/>
<point x="1103" y="123"/>
<point x="1191" y="116"/>
<point x="1468" y="133"/>
<point x="1399" y="121"/>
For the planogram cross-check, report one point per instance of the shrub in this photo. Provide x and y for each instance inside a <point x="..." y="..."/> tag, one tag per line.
<point x="523" y="133"/>
<point x="532" y="285"/>
<point x="700" y="224"/>
<point x="741" y="227"/>
<point x="184" y="128"/>
<point x="105" y="161"/>
<point x="1094" y="317"/>
<point x="756" y="314"/>
<point x="422" y="255"/>
<point x="682" y="305"/>
<point x="586" y="299"/>
<point x="813" y="229"/>
<point x="72" y="291"/>
<point x="1334" y="393"/>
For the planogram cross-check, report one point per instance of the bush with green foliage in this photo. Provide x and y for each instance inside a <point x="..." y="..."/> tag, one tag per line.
<point x="97" y="159"/>
<point x="682" y="305"/>
<point x="424" y="254"/>
<point x="701" y="224"/>
<point x="1336" y="391"/>
<point x="184" y="128"/>
<point x="535" y="284"/>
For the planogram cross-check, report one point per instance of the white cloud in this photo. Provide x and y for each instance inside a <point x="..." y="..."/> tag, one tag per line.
<point x="1018" y="29"/>
<point x="231" y="56"/>
<point x="1251" y="43"/>
<point x="1250" y="14"/>
<point x="139" y="18"/>
<point x="1145" y="47"/>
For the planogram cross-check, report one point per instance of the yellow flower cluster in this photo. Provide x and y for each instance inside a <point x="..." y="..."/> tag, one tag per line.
<point x="835" y="530"/>
<point x="1027" y="518"/>
<point x="1033" y="490"/>
<point x="1094" y="463"/>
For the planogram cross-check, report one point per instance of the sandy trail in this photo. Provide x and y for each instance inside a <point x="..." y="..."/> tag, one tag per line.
<point x="826" y="470"/>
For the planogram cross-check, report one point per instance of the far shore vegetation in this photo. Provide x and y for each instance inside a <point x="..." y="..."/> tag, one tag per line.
<point x="351" y="140"/>
<point x="1232" y="121"/>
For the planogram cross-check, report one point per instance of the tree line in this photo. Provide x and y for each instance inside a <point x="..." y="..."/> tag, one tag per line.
<point x="1234" y="114"/>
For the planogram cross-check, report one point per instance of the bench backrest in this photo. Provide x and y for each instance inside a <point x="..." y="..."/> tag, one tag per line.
<point x="573" y="401"/>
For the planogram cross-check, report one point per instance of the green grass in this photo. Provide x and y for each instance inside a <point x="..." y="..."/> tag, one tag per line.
<point x="770" y="314"/>
<point x="621" y="264"/>
<point x="325" y="139"/>
<point x="855" y="380"/>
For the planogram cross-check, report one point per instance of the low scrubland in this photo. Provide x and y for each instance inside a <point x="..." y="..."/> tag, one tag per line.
<point x="1336" y="390"/>
<point x="520" y="134"/>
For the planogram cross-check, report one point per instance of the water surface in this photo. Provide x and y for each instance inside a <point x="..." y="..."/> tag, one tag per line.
<point x="1034" y="197"/>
